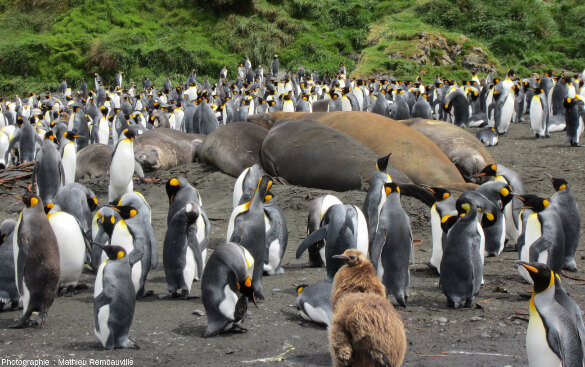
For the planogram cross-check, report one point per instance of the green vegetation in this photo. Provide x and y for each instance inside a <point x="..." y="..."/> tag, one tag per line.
<point x="45" y="41"/>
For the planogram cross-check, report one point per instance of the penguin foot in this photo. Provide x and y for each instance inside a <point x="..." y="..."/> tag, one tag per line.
<point x="145" y="294"/>
<point x="239" y="329"/>
<point x="576" y="145"/>
<point x="131" y="345"/>
<point x="23" y="323"/>
<point x="279" y="270"/>
<point x="570" y="266"/>
<point x="186" y="296"/>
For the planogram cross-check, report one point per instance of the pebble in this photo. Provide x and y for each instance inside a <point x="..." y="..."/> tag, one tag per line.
<point x="442" y="320"/>
<point x="485" y="335"/>
<point x="198" y="313"/>
<point x="276" y="289"/>
<point x="476" y="318"/>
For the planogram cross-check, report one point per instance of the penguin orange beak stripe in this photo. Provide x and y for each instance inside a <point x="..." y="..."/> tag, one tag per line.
<point x="531" y="269"/>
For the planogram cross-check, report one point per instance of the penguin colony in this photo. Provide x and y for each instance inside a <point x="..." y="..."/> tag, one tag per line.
<point x="57" y="226"/>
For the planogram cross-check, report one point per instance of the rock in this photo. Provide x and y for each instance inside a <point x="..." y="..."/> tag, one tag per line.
<point x="476" y="318"/>
<point x="198" y="313"/>
<point x="442" y="320"/>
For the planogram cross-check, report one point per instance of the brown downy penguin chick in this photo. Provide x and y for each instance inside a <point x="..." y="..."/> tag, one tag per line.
<point x="366" y="329"/>
<point x="358" y="275"/>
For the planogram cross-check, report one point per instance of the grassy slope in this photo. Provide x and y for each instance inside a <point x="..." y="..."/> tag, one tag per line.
<point x="71" y="39"/>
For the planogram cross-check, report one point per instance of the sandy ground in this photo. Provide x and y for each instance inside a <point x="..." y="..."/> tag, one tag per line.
<point x="168" y="333"/>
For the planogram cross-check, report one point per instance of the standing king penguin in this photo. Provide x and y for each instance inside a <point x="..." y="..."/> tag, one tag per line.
<point x="36" y="259"/>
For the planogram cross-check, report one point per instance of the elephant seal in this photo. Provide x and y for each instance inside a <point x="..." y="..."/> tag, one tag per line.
<point x="93" y="161"/>
<point x="165" y="148"/>
<point x="233" y="147"/>
<point x="412" y="153"/>
<point x="310" y="154"/>
<point x="463" y="148"/>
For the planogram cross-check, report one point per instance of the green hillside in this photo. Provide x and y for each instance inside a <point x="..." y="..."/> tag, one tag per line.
<point x="47" y="40"/>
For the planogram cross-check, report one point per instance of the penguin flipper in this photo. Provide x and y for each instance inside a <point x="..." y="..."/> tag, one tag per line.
<point x="11" y="144"/>
<point x="377" y="245"/>
<point x="138" y="170"/>
<point x="194" y="246"/>
<point x="311" y="239"/>
<point x="22" y="256"/>
<point x="136" y="255"/>
<point x="98" y="302"/>
<point x="539" y="246"/>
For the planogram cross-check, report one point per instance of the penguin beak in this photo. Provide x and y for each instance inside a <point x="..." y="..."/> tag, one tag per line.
<point x="98" y="245"/>
<point x="478" y="175"/>
<point x="528" y="267"/>
<point x="341" y="257"/>
<point x="549" y="177"/>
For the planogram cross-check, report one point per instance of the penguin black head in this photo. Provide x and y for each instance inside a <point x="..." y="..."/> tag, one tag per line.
<point x="391" y="187"/>
<point x="541" y="274"/>
<point x="247" y="290"/>
<point x="558" y="183"/>
<point x="108" y="222"/>
<point x="269" y="196"/>
<point x="464" y="206"/>
<point x="489" y="170"/>
<point x="173" y="186"/>
<point x="49" y="135"/>
<point x="130" y="132"/>
<point x="488" y="219"/>
<point x="505" y="194"/>
<point x="300" y="288"/>
<point x="29" y="199"/>
<point x="92" y="202"/>
<point x="439" y="193"/>
<point x="533" y="202"/>
<point x="70" y="135"/>
<point x="447" y="222"/>
<point x="114" y="252"/>
<point x="352" y="257"/>
<point x="48" y="207"/>
<point x="126" y="211"/>
<point x="382" y="163"/>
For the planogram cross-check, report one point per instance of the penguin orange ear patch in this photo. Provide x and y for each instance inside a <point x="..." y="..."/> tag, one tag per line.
<point x="174" y="182"/>
<point x="446" y="195"/>
<point x="33" y="202"/>
<point x="120" y="255"/>
<point x="133" y="212"/>
<point x="248" y="282"/>
<point x="545" y="203"/>
<point x="490" y="216"/>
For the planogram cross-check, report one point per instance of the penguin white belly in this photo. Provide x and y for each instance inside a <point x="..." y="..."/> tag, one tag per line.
<point x="173" y="122"/>
<point x="200" y="223"/>
<point x="102" y="319"/>
<point x="103" y="131"/>
<point x="537" y="116"/>
<point x="533" y="233"/>
<point x="314" y="314"/>
<point x="69" y="161"/>
<point x="71" y="247"/>
<point x="288" y="107"/>
<point x="507" y="112"/>
<point x="382" y="196"/>
<point x="121" y="170"/>
<point x="25" y="296"/>
<point x="238" y="189"/>
<point x="580" y="129"/>
<point x="4" y="142"/>
<point x="481" y="246"/>
<point x="362" y="232"/>
<point x="136" y="275"/>
<point x="71" y="119"/>
<point x="437" y="233"/>
<point x="503" y="236"/>
<point x="15" y="252"/>
<point x="228" y="304"/>
<point x="345" y="104"/>
<point x="190" y="268"/>
<point x="273" y="257"/>
<point x="231" y="223"/>
<point x="512" y="233"/>
<point x="539" y="352"/>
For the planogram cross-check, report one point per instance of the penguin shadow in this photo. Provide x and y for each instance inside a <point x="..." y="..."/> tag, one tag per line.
<point x="296" y="318"/>
<point x="193" y="330"/>
<point x="311" y="359"/>
<point x="84" y="346"/>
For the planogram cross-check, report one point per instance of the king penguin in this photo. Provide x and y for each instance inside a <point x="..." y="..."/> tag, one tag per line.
<point x="246" y="183"/>
<point x="182" y="253"/>
<point x="376" y="196"/>
<point x="48" y="172"/>
<point x="314" y="302"/>
<point x="574" y="116"/>
<point x="226" y="285"/>
<point x="122" y="165"/>
<point x="36" y="256"/>
<point x="113" y="300"/>
<point x="341" y="229"/>
<point x="391" y="246"/>
<point x="8" y="292"/>
<point x="180" y="192"/>
<point x="247" y="227"/>
<point x="539" y="114"/>
<point x="544" y="239"/>
<point x="317" y="209"/>
<point x="68" y="157"/>
<point x="552" y="338"/>
<point x="442" y="209"/>
<point x="563" y="202"/>
<point x="276" y="235"/>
